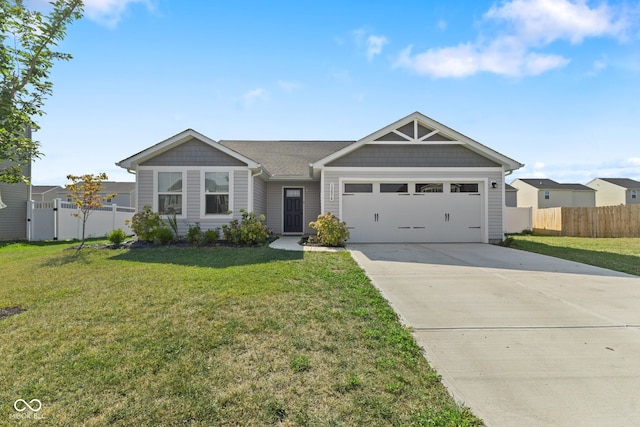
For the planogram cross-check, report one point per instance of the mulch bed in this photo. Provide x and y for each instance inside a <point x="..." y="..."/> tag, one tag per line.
<point x="10" y="311"/>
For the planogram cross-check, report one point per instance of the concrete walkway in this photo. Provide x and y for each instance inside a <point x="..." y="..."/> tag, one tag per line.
<point x="522" y="339"/>
<point x="290" y="243"/>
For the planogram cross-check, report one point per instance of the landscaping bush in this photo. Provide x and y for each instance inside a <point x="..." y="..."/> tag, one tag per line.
<point x="250" y="230"/>
<point x="146" y="224"/>
<point x="211" y="236"/>
<point x="194" y="234"/>
<point x="116" y="236"/>
<point x="162" y="236"/>
<point x="330" y="230"/>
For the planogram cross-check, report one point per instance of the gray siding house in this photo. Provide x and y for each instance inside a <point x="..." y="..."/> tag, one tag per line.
<point x="415" y="180"/>
<point x="615" y="191"/>
<point x="13" y="208"/>
<point x="541" y="193"/>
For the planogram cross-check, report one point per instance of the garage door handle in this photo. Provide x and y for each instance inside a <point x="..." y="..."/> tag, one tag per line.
<point x="475" y="227"/>
<point x="404" y="227"/>
<point x="419" y="227"/>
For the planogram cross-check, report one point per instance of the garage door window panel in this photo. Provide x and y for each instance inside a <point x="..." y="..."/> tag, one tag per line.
<point x="358" y="188"/>
<point x="464" y="188"/>
<point x="430" y="187"/>
<point x="394" y="188"/>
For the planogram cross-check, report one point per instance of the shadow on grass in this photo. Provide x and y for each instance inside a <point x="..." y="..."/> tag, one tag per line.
<point x="618" y="262"/>
<point x="214" y="257"/>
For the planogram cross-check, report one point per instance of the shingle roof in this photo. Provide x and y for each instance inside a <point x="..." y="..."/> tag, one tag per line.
<point x="623" y="182"/>
<point x="39" y="189"/>
<point x="285" y="158"/>
<point x="549" y="184"/>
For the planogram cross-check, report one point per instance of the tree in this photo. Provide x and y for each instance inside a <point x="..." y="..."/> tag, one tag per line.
<point x="84" y="193"/>
<point x="26" y="59"/>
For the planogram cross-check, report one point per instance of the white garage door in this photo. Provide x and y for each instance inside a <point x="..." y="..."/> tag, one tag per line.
<point x="413" y="211"/>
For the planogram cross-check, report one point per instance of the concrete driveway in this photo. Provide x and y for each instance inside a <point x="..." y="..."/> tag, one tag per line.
<point x="522" y="339"/>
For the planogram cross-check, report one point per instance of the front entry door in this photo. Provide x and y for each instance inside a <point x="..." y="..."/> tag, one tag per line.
<point x="293" y="210"/>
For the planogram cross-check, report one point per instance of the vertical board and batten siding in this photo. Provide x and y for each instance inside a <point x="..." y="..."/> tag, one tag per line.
<point x="494" y="208"/>
<point x="311" y="203"/>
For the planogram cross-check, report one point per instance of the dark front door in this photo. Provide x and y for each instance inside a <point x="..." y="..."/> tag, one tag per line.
<point x="293" y="210"/>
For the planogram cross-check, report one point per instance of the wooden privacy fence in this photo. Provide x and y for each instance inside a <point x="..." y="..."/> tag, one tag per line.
<point x="604" y="221"/>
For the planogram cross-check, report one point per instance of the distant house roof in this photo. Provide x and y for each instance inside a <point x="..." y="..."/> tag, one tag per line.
<point x="285" y="158"/>
<point x="549" y="184"/>
<point x="118" y="187"/>
<point x="40" y="189"/>
<point x="507" y="187"/>
<point x="623" y="182"/>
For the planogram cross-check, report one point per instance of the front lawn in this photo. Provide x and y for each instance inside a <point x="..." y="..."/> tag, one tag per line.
<point x="207" y="336"/>
<point x="620" y="254"/>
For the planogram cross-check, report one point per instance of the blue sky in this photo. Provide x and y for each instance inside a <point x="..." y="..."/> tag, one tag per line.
<point x="554" y="84"/>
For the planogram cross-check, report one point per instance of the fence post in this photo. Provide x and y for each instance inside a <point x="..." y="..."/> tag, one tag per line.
<point x="29" y="221"/>
<point x="56" y="218"/>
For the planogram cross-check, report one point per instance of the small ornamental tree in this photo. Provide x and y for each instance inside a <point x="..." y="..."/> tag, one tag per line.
<point x="84" y="193"/>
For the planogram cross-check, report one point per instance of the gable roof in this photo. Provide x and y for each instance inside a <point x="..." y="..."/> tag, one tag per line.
<point x="285" y="158"/>
<point x="549" y="184"/>
<point x="40" y="189"/>
<point x="176" y="140"/>
<point x="416" y="128"/>
<point x="622" y="182"/>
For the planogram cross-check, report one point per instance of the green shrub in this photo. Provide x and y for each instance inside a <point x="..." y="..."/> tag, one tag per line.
<point x="194" y="234"/>
<point x="162" y="236"/>
<point x="116" y="236"/>
<point x="172" y="221"/>
<point x="211" y="236"/>
<point x="250" y="230"/>
<point x="146" y="223"/>
<point x="330" y="230"/>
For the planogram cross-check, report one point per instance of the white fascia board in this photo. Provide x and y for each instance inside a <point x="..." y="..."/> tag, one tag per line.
<point x="176" y="140"/>
<point x="413" y="169"/>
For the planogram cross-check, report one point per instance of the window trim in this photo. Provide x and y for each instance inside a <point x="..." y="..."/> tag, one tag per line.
<point x="634" y="194"/>
<point x="156" y="193"/>
<point x="204" y="194"/>
<point x="547" y="195"/>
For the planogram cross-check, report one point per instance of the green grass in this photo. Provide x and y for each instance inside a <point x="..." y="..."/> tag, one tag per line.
<point x="208" y="336"/>
<point x="620" y="254"/>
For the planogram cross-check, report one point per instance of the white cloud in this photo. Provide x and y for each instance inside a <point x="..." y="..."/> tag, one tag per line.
<point x="544" y="21"/>
<point x="371" y="43"/>
<point x="516" y="51"/>
<point x="634" y="161"/>
<point x="249" y="98"/>
<point x="374" y="45"/>
<point x="110" y="12"/>
<point x="288" y="86"/>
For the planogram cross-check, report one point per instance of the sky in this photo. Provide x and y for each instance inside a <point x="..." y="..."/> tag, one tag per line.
<point x="553" y="84"/>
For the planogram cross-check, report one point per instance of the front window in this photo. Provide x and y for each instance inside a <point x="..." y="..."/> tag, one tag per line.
<point x="634" y="194"/>
<point x="546" y="195"/>
<point x="170" y="193"/>
<point x="216" y="189"/>
<point x="431" y="187"/>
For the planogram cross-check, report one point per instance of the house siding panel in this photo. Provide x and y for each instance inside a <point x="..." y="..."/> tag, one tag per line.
<point x="419" y="155"/>
<point x="193" y="153"/>
<point x="13" y="218"/>
<point x="145" y="188"/>
<point x="495" y="202"/>
<point x="193" y="194"/>
<point x="259" y="196"/>
<point x="311" y="203"/>
<point x="240" y="192"/>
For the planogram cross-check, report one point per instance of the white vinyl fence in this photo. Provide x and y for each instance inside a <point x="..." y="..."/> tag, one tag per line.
<point x="55" y="221"/>
<point x="518" y="219"/>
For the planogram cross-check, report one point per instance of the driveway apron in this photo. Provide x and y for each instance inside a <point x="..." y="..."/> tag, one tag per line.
<point x="522" y="339"/>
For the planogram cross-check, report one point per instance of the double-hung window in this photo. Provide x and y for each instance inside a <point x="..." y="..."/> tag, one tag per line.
<point x="170" y="193"/>
<point x="216" y="193"/>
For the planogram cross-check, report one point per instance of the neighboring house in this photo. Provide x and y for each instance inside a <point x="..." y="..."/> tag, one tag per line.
<point x="45" y="193"/>
<point x="414" y="180"/>
<point x="541" y="193"/>
<point x="126" y="193"/>
<point x="615" y="191"/>
<point x="511" y="196"/>
<point x="13" y="207"/>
